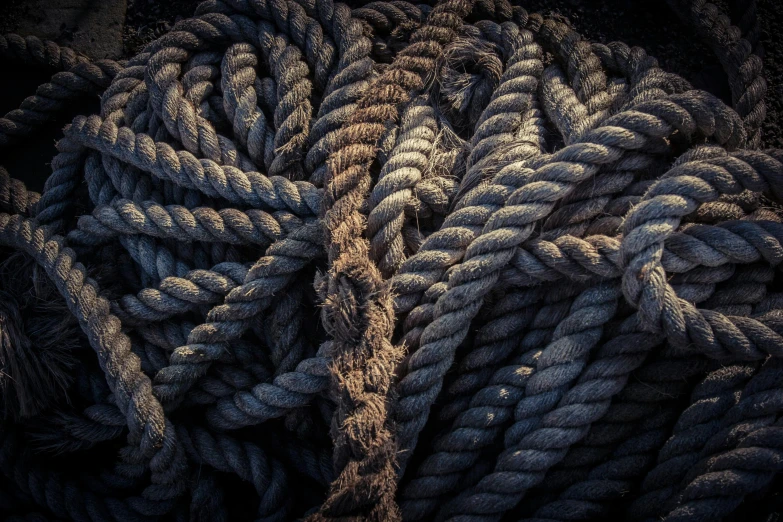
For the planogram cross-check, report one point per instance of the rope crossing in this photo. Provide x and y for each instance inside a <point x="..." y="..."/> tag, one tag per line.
<point x="393" y="262"/>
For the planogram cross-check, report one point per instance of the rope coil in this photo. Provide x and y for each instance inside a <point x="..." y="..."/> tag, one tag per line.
<point x="395" y="262"/>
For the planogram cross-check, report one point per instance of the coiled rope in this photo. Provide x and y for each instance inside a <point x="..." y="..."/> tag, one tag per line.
<point x="396" y="262"/>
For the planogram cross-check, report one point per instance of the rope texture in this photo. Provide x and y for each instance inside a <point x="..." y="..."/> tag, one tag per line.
<point x="392" y="262"/>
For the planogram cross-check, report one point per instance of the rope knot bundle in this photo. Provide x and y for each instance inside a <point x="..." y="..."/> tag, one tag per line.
<point x="397" y="262"/>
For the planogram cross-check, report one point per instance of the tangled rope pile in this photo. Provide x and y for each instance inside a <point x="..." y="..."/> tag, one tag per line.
<point x="392" y="262"/>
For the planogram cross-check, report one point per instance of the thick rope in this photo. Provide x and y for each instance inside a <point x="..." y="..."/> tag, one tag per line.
<point x="392" y="262"/>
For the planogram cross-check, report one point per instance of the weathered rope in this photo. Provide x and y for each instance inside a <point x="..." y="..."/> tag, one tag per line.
<point x="393" y="262"/>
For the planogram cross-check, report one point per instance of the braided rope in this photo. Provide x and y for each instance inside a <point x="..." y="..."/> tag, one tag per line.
<point x="357" y="304"/>
<point x="629" y="460"/>
<point x="393" y="262"/>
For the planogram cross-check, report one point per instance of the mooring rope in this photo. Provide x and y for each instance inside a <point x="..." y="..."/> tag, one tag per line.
<point x="393" y="262"/>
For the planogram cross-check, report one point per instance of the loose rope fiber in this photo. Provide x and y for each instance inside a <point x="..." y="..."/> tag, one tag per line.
<point x="393" y="262"/>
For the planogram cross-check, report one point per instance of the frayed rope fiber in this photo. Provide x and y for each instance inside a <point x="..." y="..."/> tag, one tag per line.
<point x="393" y="262"/>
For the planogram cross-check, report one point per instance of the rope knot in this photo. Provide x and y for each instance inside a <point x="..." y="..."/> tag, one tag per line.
<point x="468" y="73"/>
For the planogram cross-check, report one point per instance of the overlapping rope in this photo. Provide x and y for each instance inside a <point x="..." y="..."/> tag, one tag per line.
<point x="395" y="262"/>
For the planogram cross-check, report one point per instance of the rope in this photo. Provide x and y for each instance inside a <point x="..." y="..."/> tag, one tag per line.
<point x="393" y="262"/>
